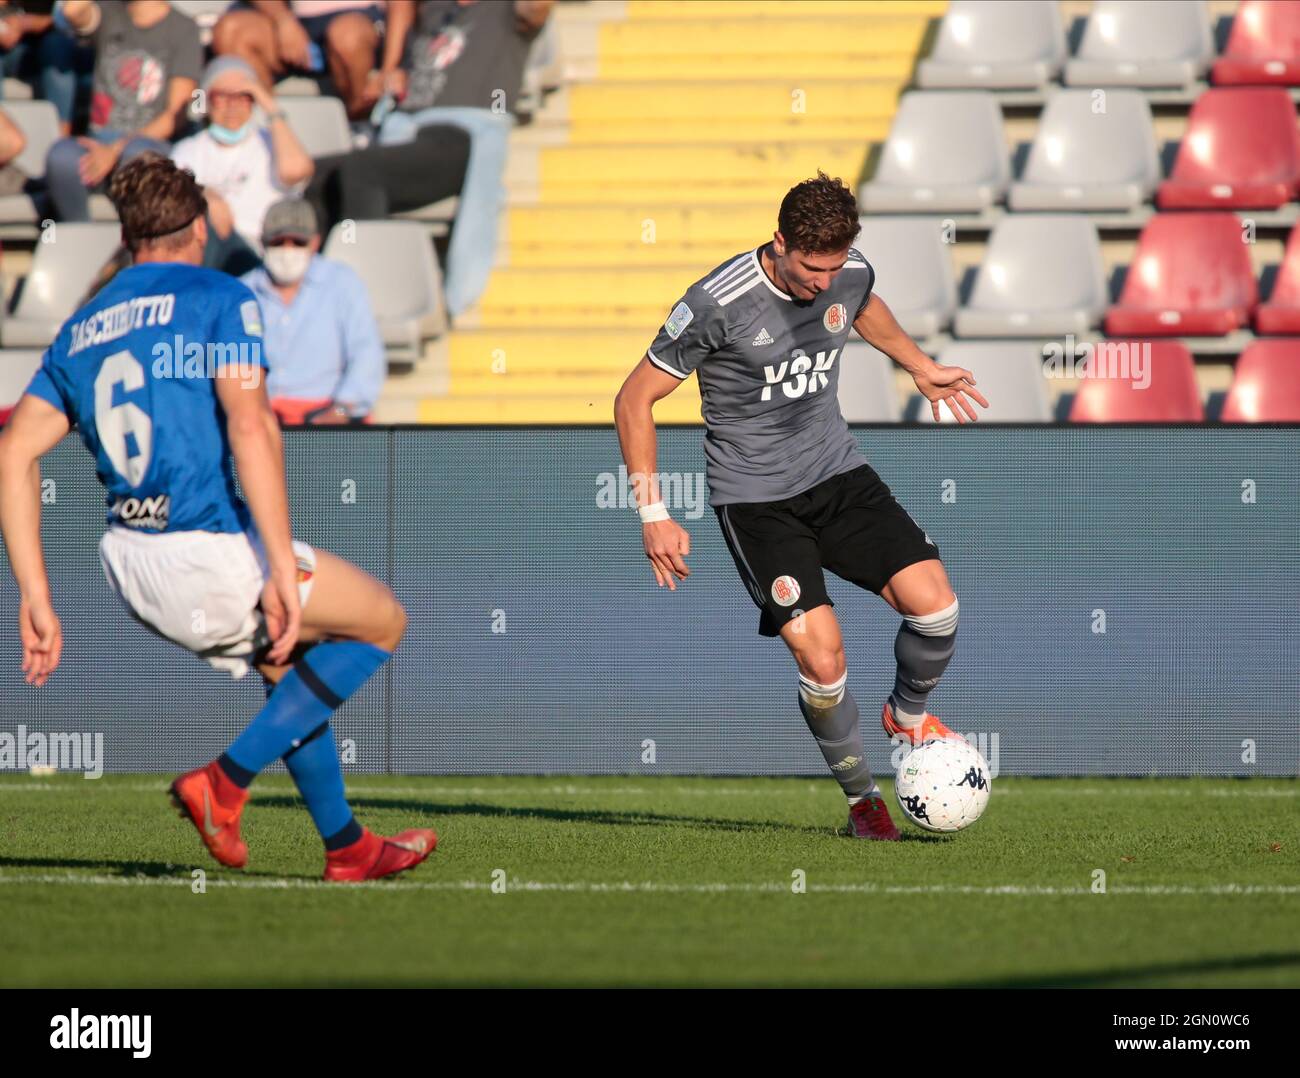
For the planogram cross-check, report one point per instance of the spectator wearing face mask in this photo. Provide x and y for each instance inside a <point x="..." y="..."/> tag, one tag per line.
<point x="244" y="167"/>
<point x="322" y="342"/>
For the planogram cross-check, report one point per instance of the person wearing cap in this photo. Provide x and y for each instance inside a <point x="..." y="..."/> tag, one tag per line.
<point x="147" y="63"/>
<point x="320" y="336"/>
<point x="243" y="166"/>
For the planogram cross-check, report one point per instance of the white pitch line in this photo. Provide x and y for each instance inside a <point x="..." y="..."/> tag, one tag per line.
<point x="634" y="791"/>
<point x="651" y="887"/>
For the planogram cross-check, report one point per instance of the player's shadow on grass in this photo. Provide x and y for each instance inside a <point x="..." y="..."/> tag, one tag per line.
<point x="607" y="817"/>
<point x="1139" y="976"/>
<point x="120" y="868"/>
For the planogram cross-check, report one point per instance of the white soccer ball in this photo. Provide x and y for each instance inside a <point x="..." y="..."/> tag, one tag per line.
<point x="943" y="785"/>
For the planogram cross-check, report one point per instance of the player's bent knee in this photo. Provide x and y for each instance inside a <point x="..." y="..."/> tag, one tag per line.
<point x="822" y="667"/>
<point x="942" y="622"/>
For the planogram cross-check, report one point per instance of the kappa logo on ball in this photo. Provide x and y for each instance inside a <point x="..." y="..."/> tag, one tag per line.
<point x="785" y="590"/>
<point x="835" y="318"/>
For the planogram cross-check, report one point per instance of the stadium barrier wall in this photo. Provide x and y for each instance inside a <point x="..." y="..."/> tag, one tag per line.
<point x="1128" y="607"/>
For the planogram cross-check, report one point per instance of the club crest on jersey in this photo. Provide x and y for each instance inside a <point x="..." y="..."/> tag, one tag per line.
<point x="835" y="318"/>
<point x="785" y="590"/>
<point x="679" y="320"/>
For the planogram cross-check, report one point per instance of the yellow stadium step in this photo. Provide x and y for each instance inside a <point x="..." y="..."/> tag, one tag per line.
<point x="662" y="222"/>
<point x="576" y="290"/>
<point x="667" y="166"/>
<point x="678" y="132"/>
<point x="705" y="195"/>
<point x="626" y="255"/>
<point x="590" y="385"/>
<point x="752" y="99"/>
<point x="683" y="406"/>
<point x="729" y="66"/>
<point x="477" y="353"/>
<point x="762" y="38"/>
<point x="783" y="9"/>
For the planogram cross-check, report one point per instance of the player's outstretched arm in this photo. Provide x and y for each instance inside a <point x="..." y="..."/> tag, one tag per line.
<point x="877" y="326"/>
<point x="666" y="542"/>
<point x="255" y="442"/>
<point x="34" y="428"/>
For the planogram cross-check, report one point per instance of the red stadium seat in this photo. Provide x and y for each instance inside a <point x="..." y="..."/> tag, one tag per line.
<point x="1264" y="47"/>
<point x="1162" y="390"/>
<point x="1241" y="150"/>
<point x="1191" y="276"/>
<point x="1281" y="314"/>
<point x="1266" y="384"/>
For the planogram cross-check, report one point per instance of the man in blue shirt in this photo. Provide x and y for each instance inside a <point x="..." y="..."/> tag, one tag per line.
<point x="162" y="375"/>
<point x="322" y="340"/>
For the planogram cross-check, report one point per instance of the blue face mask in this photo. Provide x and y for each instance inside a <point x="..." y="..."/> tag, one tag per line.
<point x="228" y="136"/>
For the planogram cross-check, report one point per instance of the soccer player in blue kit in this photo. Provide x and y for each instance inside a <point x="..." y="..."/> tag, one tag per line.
<point x="162" y="373"/>
<point x="792" y="491"/>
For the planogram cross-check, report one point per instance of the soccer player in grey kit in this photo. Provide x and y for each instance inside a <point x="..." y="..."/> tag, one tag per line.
<point x="792" y="491"/>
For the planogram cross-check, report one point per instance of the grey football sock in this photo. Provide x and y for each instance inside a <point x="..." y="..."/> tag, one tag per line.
<point x="923" y="648"/>
<point x="832" y="715"/>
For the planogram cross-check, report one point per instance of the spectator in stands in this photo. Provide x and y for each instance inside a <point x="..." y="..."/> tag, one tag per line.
<point x="35" y="50"/>
<point x="277" y="37"/>
<point x="12" y="143"/>
<point x="147" y="64"/>
<point x="243" y="167"/>
<point x="321" y="338"/>
<point x="371" y="184"/>
<point x="461" y="62"/>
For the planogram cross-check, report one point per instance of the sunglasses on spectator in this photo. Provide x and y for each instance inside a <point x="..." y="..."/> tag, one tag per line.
<point x="289" y="241"/>
<point x="229" y="96"/>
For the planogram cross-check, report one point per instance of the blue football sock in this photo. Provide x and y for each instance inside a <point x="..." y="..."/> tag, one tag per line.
<point x="304" y="699"/>
<point x="314" y="766"/>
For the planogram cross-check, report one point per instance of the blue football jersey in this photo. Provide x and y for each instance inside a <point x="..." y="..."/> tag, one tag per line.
<point x="133" y="370"/>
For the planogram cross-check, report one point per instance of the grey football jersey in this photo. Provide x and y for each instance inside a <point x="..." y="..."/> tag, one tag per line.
<point x="769" y="376"/>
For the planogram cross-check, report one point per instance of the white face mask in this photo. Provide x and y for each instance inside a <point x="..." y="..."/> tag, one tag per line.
<point x="286" y="265"/>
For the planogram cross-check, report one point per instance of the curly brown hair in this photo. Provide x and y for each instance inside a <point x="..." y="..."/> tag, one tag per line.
<point x="819" y="216"/>
<point x="156" y="201"/>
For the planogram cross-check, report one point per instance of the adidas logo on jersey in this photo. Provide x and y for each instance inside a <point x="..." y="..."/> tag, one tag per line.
<point x="763" y="337"/>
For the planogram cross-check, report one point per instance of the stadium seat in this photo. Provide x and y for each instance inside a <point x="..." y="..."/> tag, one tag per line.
<point x="1264" y="46"/>
<point x="1265" y="384"/>
<point x="945" y="154"/>
<point x="64" y="264"/>
<point x="395" y="260"/>
<point x="16" y="369"/>
<point x="867" y="390"/>
<point x="1160" y="387"/>
<point x="996" y="44"/>
<point x="1042" y="276"/>
<point x="1082" y="159"/>
<point x="1190" y="276"/>
<point x="914" y="273"/>
<point x="1008" y="373"/>
<point x="1242" y="150"/>
<point x="1281" y="314"/>
<point x="39" y="123"/>
<point x="321" y="124"/>
<point x="1149" y="43"/>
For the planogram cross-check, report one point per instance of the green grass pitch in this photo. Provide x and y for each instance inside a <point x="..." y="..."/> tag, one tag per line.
<point x="660" y="881"/>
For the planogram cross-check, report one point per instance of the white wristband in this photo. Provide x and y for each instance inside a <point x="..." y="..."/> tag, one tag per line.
<point x="651" y="513"/>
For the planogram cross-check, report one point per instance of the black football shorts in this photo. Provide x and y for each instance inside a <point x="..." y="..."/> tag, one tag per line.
<point x="850" y="524"/>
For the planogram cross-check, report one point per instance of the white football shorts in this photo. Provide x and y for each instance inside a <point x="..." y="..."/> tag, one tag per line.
<point x="199" y="589"/>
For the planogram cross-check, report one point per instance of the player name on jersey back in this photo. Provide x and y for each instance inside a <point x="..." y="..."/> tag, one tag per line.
<point x="116" y="321"/>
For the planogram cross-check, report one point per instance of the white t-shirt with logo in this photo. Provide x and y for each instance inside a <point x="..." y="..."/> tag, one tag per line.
<point x="243" y="174"/>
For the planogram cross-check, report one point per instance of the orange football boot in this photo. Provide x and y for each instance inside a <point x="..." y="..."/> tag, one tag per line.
<point x="213" y="803"/>
<point x="929" y="728"/>
<point x="373" y="856"/>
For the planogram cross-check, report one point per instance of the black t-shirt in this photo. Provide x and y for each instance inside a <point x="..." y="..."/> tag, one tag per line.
<point x="465" y="56"/>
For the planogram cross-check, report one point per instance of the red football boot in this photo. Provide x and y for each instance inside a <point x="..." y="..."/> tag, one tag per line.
<point x="372" y="856"/>
<point x="929" y="728"/>
<point x="869" y="818"/>
<point x="212" y="803"/>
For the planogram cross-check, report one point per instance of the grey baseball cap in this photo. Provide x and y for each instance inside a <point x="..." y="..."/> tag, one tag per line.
<point x="290" y="217"/>
<point x="223" y="65"/>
